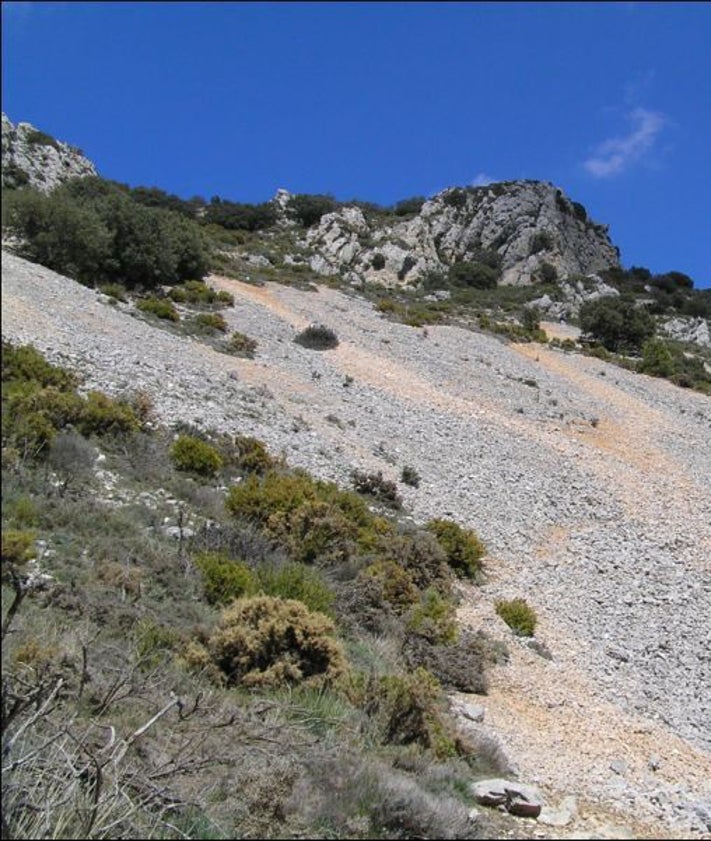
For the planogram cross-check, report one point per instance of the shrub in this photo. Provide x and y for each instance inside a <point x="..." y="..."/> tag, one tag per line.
<point x="459" y="665"/>
<point x="223" y="578"/>
<point x="40" y="138"/>
<point x="421" y="556"/>
<point x="296" y="581"/>
<point x="373" y="484"/>
<point x="462" y="547"/>
<point x="407" y="710"/>
<point x="101" y="415"/>
<point x="193" y="292"/>
<point x="518" y="615"/>
<point x="547" y="273"/>
<point x="406" y="207"/>
<point x="17" y="547"/>
<point x="226" y="298"/>
<point x="541" y="241"/>
<point x="71" y="456"/>
<point x="396" y="587"/>
<point x="314" y="520"/>
<point x="531" y="319"/>
<point x="456" y="197"/>
<point x="378" y="262"/>
<point x="90" y="229"/>
<point x="618" y="325"/>
<point x="195" y="456"/>
<point x="252" y="456"/>
<point x="410" y="476"/>
<point x="265" y="641"/>
<point x="26" y="363"/>
<point x="242" y="345"/>
<point x="160" y="307"/>
<point x="212" y="320"/>
<point x="434" y="618"/>
<point x="476" y="275"/>
<point x="238" y="216"/>
<point x="114" y="290"/>
<point x="657" y="359"/>
<point x="308" y="209"/>
<point x="317" y="337"/>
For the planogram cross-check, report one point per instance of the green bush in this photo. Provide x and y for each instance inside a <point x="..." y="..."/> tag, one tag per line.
<point x="90" y="229"/>
<point x="396" y="586"/>
<point x="269" y="642"/>
<point x="226" y="298"/>
<point x="26" y="363"/>
<point x="252" y="456"/>
<point x="101" y="415"/>
<point x="617" y="324"/>
<point x="317" y="337"/>
<point x="195" y="456"/>
<point x="242" y="345"/>
<point x="434" y="618"/>
<point x="518" y="615"/>
<point x="160" y="307"/>
<point x="408" y="710"/>
<point x="378" y="262"/>
<point x="296" y="581"/>
<point x="462" y="547"/>
<point x="114" y="290"/>
<point x="476" y="275"/>
<point x="312" y="519"/>
<point x="193" y="292"/>
<point x="212" y="320"/>
<point x="308" y="209"/>
<point x="235" y="216"/>
<point x="657" y="359"/>
<point x="223" y="578"/>
<point x="410" y="206"/>
<point x="40" y="138"/>
<point x="17" y="547"/>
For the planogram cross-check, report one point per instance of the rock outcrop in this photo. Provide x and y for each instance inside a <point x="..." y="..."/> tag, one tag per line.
<point x="529" y="228"/>
<point x="31" y="157"/>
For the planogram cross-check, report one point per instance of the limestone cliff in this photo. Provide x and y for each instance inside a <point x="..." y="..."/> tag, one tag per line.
<point x="31" y="157"/>
<point x="525" y="224"/>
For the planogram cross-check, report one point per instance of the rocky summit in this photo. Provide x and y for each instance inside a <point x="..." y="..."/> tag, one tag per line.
<point x="527" y="225"/>
<point x="31" y="157"/>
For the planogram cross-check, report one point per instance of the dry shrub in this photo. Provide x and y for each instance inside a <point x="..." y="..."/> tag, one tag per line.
<point x="461" y="665"/>
<point x="409" y="710"/>
<point x="266" y="641"/>
<point x="422" y="556"/>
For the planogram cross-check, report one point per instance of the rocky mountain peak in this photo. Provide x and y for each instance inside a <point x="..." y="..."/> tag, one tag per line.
<point x="523" y="226"/>
<point x="31" y="157"/>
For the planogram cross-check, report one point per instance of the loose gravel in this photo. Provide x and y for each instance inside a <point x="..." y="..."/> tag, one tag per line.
<point x="589" y="484"/>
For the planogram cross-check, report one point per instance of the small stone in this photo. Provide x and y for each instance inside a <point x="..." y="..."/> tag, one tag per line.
<point x="619" y="766"/>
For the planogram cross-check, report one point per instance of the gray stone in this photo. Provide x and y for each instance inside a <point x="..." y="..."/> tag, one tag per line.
<point x="619" y="766"/>
<point x="45" y="162"/>
<point x="516" y="798"/>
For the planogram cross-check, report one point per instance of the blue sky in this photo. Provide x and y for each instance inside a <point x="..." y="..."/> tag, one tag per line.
<point x="381" y="101"/>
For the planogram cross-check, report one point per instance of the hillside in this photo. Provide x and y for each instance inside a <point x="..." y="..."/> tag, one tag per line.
<point x="589" y="484"/>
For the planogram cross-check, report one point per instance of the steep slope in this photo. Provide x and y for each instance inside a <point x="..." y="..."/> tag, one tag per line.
<point x="590" y="485"/>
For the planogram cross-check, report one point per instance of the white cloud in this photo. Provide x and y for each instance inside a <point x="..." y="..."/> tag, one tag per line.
<point x="481" y="179"/>
<point x="616" y="155"/>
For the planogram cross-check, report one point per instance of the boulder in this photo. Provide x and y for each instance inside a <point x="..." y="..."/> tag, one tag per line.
<point x="516" y="798"/>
